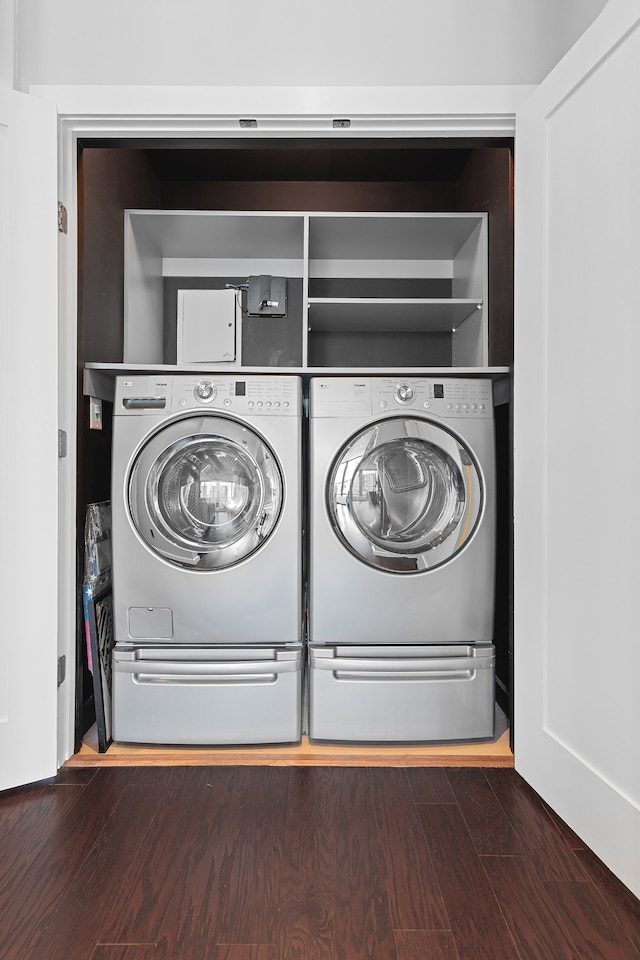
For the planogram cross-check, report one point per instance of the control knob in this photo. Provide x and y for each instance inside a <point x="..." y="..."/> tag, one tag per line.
<point x="205" y="390"/>
<point x="404" y="393"/>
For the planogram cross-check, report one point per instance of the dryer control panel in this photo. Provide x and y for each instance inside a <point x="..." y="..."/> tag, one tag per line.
<point x="244" y="396"/>
<point x="371" y="396"/>
<point x="444" y="398"/>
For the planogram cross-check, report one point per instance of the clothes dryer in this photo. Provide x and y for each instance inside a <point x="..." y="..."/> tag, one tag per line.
<point x="402" y="559"/>
<point x="206" y="531"/>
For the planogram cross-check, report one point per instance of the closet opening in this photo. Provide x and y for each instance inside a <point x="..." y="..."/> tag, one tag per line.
<point x="297" y="176"/>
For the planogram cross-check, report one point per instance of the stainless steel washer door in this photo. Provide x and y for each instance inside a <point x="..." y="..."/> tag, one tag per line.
<point x="405" y="495"/>
<point x="205" y="492"/>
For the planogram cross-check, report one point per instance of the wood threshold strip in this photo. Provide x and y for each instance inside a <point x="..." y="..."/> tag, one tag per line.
<point x="494" y="754"/>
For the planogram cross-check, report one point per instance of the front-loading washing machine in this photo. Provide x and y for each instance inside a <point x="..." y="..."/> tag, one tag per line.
<point x="206" y="534"/>
<point x="402" y="559"/>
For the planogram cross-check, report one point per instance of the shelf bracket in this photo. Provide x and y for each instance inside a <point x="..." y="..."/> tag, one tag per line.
<point x="97" y="384"/>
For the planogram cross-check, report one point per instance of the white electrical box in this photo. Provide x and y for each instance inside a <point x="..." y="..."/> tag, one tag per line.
<point x="208" y="330"/>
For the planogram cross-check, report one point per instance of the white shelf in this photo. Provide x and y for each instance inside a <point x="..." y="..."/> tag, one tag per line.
<point x="121" y="369"/>
<point x="390" y="236"/>
<point x="231" y="235"/>
<point x="368" y="315"/>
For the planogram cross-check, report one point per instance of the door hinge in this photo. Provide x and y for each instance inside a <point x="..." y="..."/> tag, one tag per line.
<point x="62" y="669"/>
<point x="62" y="217"/>
<point x="62" y="444"/>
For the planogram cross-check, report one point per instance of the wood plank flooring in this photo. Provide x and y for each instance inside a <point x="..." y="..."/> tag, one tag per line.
<point x="282" y="862"/>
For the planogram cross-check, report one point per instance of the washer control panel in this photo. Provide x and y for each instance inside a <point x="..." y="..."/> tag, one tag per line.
<point x="244" y="396"/>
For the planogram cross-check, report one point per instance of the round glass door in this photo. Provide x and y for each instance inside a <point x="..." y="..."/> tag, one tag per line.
<point x="405" y="495"/>
<point x="205" y="492"/>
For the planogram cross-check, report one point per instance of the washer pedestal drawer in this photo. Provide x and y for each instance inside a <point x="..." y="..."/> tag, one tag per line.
<point x="195" y="695"/>
<point x="401" y="694"/>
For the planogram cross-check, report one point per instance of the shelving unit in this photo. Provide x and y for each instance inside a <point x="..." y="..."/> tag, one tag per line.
<point x="366" y="291"/>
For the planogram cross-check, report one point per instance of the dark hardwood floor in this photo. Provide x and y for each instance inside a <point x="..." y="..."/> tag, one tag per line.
<point x="300" y="863"/>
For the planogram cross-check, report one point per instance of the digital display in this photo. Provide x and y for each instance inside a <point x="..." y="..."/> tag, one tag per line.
<point x="241" y="388"/>
<point x="438" y="391"/>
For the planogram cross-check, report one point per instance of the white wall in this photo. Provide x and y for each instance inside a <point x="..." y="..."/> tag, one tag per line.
<point x="574" y="16"/>
<point x="294" y="43"/>
<point x="7" y="19"/>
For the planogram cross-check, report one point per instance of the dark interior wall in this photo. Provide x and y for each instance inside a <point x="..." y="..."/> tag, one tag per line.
<point x="486" y="184"/>
<point x="308" y="195"/>
<point x="111" y="181"/>
<point x="108" y="182"/>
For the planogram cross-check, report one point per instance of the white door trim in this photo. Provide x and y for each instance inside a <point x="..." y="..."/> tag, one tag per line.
<point x="577" y="655"/>
<point x="287" y="111"/>
<point x="28" y="439"/>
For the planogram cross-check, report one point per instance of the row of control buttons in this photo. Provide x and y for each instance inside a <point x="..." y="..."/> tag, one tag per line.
<point x="450" y="406"/>
<point x="227" y="403"/>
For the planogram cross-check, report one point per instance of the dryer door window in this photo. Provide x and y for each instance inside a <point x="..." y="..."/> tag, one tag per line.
<point x="205" y="493"/>
<point x="405" y="495"/>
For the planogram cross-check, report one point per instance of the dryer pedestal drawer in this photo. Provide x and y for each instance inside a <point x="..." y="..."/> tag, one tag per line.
<point x="199" y="696"/>
<point x="408" y="694"/>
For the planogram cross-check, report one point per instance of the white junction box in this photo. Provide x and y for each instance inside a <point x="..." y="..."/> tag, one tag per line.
<point x="208" y="330"/>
